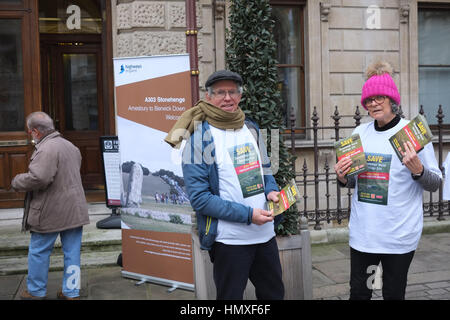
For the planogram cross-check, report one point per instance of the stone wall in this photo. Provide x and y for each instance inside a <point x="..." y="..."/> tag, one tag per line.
<point x="158" y="28"/>
<point x="352" y="35"/>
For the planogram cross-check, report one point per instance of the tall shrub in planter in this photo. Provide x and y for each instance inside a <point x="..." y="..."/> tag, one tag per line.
<point x="250" y="51"/>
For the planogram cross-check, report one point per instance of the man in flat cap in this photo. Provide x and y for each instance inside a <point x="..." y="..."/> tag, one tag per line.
<point x="227" y="177"/>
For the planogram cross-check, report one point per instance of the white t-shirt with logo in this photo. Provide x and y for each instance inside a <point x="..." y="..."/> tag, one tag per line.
<point x="240" y="180"/>
<point x="386" y="210"/>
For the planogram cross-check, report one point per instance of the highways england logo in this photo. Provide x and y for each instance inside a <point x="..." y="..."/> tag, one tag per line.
<point x="129" y="68"/>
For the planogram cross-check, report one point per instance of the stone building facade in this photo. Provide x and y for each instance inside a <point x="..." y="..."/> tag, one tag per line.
<point x="340" y="37"/>
<point x="324" y="47"/>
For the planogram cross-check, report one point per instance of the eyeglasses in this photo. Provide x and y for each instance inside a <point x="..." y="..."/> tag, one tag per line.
<point x="221" y="94"/>
<point x="378" y="100"/>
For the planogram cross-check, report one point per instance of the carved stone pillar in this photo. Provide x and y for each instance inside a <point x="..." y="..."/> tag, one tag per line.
<point x="219" y="9"/>
<point x="325" y="8"/>
<point x="404" y="11"/>
<point x="219" y="23"/>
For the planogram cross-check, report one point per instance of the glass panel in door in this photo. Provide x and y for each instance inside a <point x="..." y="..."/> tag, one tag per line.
<point x="80" y="92"/>
<point x="11" y="76"/>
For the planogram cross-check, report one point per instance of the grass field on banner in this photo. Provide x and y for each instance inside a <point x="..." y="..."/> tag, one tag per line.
<point x="158" y="217"/>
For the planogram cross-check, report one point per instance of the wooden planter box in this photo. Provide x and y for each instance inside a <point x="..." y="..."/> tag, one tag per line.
<point x="295" y="257"/>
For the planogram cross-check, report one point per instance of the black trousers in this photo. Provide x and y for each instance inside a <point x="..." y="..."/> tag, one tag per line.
<point x="394" y="276"/>
<point x="235" y="264"/>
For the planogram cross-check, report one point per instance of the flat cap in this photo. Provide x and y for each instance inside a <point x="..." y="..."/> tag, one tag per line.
<point x="223" y="75"/>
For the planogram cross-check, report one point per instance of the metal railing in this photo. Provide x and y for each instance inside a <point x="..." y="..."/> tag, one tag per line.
<point x="324" y="179"/>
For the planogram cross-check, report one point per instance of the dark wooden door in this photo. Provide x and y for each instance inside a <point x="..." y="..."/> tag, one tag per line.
<point x="19" y="91"/>
<point x="72" y="95"/>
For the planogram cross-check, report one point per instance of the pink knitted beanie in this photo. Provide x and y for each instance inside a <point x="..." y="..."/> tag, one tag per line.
<point x="379" y="83"/>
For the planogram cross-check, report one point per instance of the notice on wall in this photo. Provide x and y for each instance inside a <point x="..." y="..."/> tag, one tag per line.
<point x="151" y="94"/>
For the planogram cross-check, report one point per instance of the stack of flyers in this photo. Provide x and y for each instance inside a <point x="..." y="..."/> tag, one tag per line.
<point x="287" y="197"/>
<point x="416" y="131"/>
<point x="352" y="147"/>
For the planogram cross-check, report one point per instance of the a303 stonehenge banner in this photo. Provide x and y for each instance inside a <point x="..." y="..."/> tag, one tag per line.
<point x="151" y="94"/>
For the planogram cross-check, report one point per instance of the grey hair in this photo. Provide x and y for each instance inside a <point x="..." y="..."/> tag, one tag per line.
<point x="394" y="106"/>
<point x="41" y="121"/>
<point x="210" y="89"/>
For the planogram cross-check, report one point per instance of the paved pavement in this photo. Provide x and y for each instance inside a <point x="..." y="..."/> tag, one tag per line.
<point x="429" y="276"/>
<point x="105" y="283"/>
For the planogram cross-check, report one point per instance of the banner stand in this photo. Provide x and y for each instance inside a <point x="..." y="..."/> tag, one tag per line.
<point x="151" y="94"/>
<point x="112" y="222"/>
<point x="145" y="278"/>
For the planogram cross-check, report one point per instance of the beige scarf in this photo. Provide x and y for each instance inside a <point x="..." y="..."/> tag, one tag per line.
<point x="200" y="112"/>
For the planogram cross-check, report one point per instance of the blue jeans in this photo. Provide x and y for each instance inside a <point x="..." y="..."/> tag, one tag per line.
<point x="41" y="246"/>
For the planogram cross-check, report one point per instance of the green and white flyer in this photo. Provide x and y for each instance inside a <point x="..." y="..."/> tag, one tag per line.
<point x="248" y="169"/>
<point x="373" y="185"/>
<point x="286" y="198"/>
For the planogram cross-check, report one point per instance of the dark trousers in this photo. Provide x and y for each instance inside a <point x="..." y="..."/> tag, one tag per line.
<point x="395" y="271"/>
<point x="235" y="264"/>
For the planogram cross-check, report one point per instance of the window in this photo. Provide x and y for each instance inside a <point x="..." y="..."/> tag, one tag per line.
<point x="434" y="61"/>
<point x="288" y="33"/>
<point x="11" y="76"/>
<point x="74" y="16"/>
<point x="80" y="91"/>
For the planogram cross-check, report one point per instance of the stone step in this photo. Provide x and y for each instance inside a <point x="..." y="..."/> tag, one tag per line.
<point x="16" y="244"/>
<point x="10" y="265"/>
<point x="12" y="240"/>
<point x="100" y="247"/>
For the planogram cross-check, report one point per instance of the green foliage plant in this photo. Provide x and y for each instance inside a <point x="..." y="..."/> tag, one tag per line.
<point x="250" y="51"/>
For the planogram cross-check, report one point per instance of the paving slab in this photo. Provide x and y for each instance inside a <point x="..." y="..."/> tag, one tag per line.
<point x="9" y="286"/>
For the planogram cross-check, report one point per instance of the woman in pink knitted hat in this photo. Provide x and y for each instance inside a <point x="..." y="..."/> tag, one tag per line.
<point x="386" y="211"/>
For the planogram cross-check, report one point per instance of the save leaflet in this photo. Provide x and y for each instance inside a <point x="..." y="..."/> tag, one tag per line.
<point x="416" y="131"/>
<point x="286" y="198"/>
<point x="373" y="185"/>
<point x="352" y="147"/>
<point x="248" y="169"/>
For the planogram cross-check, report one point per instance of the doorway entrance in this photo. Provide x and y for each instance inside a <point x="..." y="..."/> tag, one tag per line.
<point x="72" y="96"/>
<point x="72" y="78"/>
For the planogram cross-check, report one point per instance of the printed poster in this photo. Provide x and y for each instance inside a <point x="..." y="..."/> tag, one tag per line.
<point x="373" y="185"/>
<point x="151" y="94"/>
